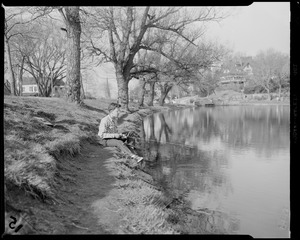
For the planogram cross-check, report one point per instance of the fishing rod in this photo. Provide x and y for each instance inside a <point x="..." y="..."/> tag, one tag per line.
<point x="155" y="141"/>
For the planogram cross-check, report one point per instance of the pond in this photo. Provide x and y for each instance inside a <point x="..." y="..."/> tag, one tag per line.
<point x="232" y="163"/>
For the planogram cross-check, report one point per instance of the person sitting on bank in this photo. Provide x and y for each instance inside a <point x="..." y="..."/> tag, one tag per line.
<point x="108" y="135"/>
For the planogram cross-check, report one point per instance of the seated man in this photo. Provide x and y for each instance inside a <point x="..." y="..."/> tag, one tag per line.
<point x="108" y="132"/>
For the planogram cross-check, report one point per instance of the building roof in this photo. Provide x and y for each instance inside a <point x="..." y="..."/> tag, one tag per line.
<point x="237" y="67"/>
<point x="59" y="82"/>
<point x="29" y="81"/>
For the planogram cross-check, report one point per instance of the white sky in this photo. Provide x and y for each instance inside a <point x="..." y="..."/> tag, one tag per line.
<point x="256" y="27"/>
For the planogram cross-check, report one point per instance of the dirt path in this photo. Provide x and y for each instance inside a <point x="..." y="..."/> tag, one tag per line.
<point x="82" y="181"/>
<point x="92" y="184"/>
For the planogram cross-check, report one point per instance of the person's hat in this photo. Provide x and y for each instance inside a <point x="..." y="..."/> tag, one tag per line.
<point x="113" y="106"/>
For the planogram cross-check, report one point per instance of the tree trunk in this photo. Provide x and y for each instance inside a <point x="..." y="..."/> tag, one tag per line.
<point x="11" y="75"/>
<point x="142" y="94"/>
<point x="73" y="54"/>
<point x="20" y="79"/>
<point x="122" y="90"/>
<point x="162" y="98"/>
<point x="107" y="89"/>
<point x="82" y="90"/>
<point x="152" y="129"/>
<point x="269" y="94"/>
<point x="47" y="86"/>
<point x="279" y="93"/>
<point x="52" y="92"/>
<point x="152" y="85"/>
<point x="164" y="92"/>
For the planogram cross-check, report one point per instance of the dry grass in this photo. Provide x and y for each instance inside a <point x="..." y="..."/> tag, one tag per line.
<point x="33" y="156"/>
<point x="29" y="166"/>
<point x="31" y="147"/>
<point x="142" y="204"/>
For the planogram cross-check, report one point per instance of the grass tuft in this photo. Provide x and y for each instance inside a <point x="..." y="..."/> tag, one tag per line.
<point x="66" y="144"/>
<point x="28" y="166"/>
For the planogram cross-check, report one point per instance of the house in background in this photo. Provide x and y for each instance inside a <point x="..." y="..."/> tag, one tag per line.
<point x="29" y="87"/>
<point x="236" y="72"/>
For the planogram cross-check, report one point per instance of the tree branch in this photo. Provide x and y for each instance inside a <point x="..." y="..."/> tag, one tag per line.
<point x="100" y="52"/>
<point x="60" y="9"/>
<point x="114" y="26"/>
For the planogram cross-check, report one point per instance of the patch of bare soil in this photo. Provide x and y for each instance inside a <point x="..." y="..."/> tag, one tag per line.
<point x="92" y="184"/>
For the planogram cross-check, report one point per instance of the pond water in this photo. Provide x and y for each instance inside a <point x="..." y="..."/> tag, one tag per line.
<point x="232" y="164"/>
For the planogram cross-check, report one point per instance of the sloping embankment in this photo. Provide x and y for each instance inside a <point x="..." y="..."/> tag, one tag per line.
<point x="139" y="205"/>
<point x="43" y="142"/>
<point x="59" y="182"/>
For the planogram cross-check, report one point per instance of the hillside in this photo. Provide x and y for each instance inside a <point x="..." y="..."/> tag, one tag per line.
<point x="59" y="180"/>
<point x="42" y="136"/>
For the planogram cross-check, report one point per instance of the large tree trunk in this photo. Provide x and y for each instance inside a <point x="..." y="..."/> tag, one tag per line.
<point x="122" y="90"/>
<point x="11" y="75"/>
<point x="142" y="94"/>
<point x="152" y="85"/>
<point x="73" y="54"/>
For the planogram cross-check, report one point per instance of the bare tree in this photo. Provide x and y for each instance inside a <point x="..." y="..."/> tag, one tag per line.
<point x="146" y="69"/>
<point x="15" y="20"/>
<point x="126" y="28"/>
<point x="45" y="58"/>
<point x="71" y="19"/>
<point x="11" y="22"/>
<point x="267" y="68"/>
<point x="282" y="74"/>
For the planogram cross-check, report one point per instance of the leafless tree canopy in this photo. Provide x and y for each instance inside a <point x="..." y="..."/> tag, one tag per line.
<point x="120" y="34"/>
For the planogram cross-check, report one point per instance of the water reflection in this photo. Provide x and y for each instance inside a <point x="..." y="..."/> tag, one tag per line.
<point x="206" y="153"/>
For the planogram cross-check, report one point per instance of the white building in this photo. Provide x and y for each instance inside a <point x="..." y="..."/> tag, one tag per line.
<point x="29" y="86"/>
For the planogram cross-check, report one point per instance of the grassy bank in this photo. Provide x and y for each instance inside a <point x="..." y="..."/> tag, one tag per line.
<point x="38" y="155"/>
<point x="46" y="154"/>
<point x="137" y="204"/>
<point x="31" y="147"/>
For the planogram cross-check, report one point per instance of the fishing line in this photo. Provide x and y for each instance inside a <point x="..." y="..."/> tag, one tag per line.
<point x="171" y="143"/>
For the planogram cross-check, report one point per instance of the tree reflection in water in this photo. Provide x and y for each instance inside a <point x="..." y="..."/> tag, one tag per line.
<point x="187" y="170"/>
<point x="188" y="153"/>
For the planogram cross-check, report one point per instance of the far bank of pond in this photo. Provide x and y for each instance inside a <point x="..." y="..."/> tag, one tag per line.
<point x="230" y="164"/>
<point x="231" y="97"/>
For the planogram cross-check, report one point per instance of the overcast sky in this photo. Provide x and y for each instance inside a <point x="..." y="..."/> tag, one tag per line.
<point x="256" y="27"/>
